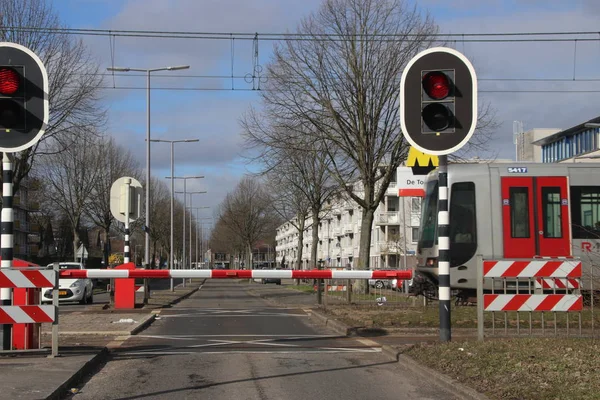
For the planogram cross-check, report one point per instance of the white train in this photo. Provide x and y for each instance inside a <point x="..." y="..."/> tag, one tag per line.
<point x="510" y="211"/>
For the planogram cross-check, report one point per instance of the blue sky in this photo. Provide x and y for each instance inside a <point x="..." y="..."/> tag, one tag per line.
<point x="213" y="116"/>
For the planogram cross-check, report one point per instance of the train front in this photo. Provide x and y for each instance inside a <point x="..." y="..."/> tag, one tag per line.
<point x="425" y="278"/>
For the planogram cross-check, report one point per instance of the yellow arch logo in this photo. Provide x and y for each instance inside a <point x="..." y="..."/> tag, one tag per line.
<point x="417" y="158"/>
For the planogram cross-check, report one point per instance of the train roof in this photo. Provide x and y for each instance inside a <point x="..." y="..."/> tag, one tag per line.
<point x="517" y="169"/>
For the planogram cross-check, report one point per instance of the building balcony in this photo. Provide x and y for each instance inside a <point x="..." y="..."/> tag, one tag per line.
<point x="388" y="218"/>
<point x="348" y="228"/>
<point x="392" y="189"/>
<point x="336" y="231"/>
<point x="389" y="248"/>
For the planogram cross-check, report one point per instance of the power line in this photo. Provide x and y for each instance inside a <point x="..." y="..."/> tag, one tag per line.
<point x="267" y="90"/>
<point x="457" y="37"/>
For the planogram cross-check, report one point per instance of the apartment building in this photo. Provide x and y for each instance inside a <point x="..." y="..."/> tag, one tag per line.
<point x="394" y="232"/>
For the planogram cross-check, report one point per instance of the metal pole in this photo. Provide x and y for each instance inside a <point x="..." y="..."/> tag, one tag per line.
<point x="197" y="239"/>
<point x="444" y="250"/>
<point x="184" y="208"/>
<point x="126" y="253"/>
<point x="404" y="236"/>
<point x="171" y="255"/>
<point x="480" y="317"/>
<point x="55" y="301"/>
<point x="7" y="241"/>
<point x="147" y="236"/>
<point x="191" y="198"/>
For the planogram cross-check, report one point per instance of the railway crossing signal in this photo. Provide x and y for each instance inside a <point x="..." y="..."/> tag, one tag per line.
<point x="438" y="101"/>
<point x="24" y="105"/>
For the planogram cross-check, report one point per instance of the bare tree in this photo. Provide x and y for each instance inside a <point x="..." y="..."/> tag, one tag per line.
<point x="341" y="80"/>
<point x="248" y="214"/>
<point x="74" y="79"/>
<point x="114" y="162"/>
<point x="71" y="178"/>
<point x="160" y="209"/>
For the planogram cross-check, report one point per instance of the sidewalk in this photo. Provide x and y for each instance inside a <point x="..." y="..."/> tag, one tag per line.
<point x="85" y="338"/>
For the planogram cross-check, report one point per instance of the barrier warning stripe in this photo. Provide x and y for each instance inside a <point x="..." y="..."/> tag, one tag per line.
<point x="556" y="283"/>
<point x="27" y="278"/>
<point x="532" y="269"/>
<point x="535" y="302"/>
<point x="234" y="274"/>
<point x="27" y="314"/>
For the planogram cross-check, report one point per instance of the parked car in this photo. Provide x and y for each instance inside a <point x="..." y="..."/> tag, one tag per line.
<point x="71" y="289"/>
<point x="385" y="284"/>
<point x="276" y="281"/>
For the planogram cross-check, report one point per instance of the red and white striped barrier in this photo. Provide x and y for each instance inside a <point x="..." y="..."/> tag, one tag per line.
<point x="233" y="274"/>
<point x="532" y="302"/>
<point x="27" y="314"/>
<point x="532" y="269"/>
<point x="26" y="278"/>
<point x="556" y="283"/>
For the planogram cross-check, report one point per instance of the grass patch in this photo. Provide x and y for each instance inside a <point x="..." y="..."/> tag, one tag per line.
<point x="303" y="288"/>
<point x="532" y="368"/>
<point x="462" y="317"/>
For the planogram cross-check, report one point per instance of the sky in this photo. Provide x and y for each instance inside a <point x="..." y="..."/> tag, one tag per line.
<point x="213" y="116"/>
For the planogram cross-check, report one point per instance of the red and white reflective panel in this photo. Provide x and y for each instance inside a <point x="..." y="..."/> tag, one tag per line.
<point x="531" y="269"/>
<point x="556" y="283"/>
<point x="27" y="314"/>
<point x="26" y="279"/>
<point x="234" y="274"/>
<point x="532" y="302"/>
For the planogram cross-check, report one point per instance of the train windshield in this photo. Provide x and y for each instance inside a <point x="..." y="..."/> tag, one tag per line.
<point x="427" y="237"/>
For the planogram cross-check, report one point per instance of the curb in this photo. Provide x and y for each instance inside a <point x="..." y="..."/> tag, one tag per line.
<point x="61" y="391"/>
<point x="337" y="326"/>
<point x="143" y="325"/>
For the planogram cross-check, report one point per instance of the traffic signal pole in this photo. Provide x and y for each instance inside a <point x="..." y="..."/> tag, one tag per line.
<point x="438" y="115"/>
<point x="444" y="249"/>
<point x="6" y="251"/>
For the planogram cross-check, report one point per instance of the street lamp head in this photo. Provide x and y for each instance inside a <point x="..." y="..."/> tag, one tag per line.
<point x="118" y="69"/>
<point x="178" y="67"/>
<point x="591" y="125"/>
<point x="192" y="140"/>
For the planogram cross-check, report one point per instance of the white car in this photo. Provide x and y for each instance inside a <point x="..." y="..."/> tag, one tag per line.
<point x="70" y="290"/>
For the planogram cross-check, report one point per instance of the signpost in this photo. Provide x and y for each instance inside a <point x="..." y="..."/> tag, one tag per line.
<point x="438" y="115"/>
<point x="125" y="204"/>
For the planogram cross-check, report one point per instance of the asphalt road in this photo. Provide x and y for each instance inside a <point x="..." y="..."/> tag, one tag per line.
<point x="223" y="343"/>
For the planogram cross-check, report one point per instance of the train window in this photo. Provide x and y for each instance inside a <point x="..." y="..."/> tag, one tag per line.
<point x="585" y="212"/>
<point x="519" y="212"/>
<point x="463" y="224"/>
<point x="551" y="212"/>
<point x="429" y="216"/>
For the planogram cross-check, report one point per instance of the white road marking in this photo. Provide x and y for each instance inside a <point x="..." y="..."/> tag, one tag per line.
<point x="168" y="337"/>
<point x="198" y="315"/>
<point x="201" y="353"/>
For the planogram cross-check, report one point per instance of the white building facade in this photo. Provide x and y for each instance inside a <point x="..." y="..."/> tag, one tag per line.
<point x="394" y="232"/>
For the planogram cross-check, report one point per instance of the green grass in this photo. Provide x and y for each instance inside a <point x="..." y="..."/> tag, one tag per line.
<point x="532" y="368"/>
<point x="303" y="288"/>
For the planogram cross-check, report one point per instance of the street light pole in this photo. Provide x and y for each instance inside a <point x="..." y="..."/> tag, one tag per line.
<point x="185" y="178"/>
<point x="147" y="217"/>
<point x="171" y="253"/>
<point x="147" y="225"/>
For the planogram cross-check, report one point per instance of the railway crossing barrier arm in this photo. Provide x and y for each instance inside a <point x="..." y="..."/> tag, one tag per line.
<point x="234" y="274"/>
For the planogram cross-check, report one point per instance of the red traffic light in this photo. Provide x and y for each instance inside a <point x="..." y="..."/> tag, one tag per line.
<point x="436" y="85"/>
<point x="9" y="81"/>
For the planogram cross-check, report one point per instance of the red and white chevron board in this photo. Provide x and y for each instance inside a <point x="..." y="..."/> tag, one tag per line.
<point x="532" y="269"/>
<point x="26" y="278"/>
<point x="556" y="283"/>
<point x="234" y="274"/>
<point x="27" y="314"/>
<point x="532" y="302"/>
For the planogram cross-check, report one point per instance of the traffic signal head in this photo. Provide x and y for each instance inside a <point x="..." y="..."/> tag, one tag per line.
<point x="438" y="101"/>
<point x="23" y="98"/>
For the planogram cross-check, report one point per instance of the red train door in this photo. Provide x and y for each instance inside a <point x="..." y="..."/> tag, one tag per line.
<point x="535" y="216"/>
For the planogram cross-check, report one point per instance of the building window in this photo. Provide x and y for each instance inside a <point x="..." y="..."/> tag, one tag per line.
<point x="585" y="211"/>
<point x="415" y="205"/>
<point x="415" y="234"/>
